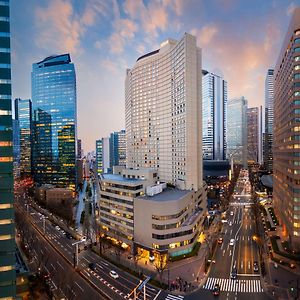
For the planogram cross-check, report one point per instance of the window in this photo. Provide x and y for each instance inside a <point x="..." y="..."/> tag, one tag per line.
<point x="5" y="237"/>
<point x="297" y="67"/>
<point x="6" y="206"/>
<point x="6" y="159"/>
<point x="297" y="49"/>
<point x="297" y="76"/>
<point x="297" y="40"/>
<point x="297" y="58"/>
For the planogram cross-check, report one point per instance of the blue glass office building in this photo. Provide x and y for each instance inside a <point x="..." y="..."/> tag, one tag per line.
<point x="214" y="109"/>
<point x="117" y="149"/>
<point x="23" y="114"/>
<point x="54" y="121"/>
<point x="7" y="227"/>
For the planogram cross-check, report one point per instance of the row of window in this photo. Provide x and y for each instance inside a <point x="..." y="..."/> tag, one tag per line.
<point x="169" y="217"/>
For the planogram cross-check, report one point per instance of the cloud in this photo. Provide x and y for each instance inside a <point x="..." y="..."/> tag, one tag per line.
<point x="205" y="34"/>
<point x="290" y="9"/>
<point x="124" y="31"/>
<point x="60" y="28"/>
<point x="243" y="60"/>
<point x="154" y="16"/>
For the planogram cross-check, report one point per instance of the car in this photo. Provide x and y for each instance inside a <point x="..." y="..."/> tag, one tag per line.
<point x="92" y="266"/>
<point x="151" y="258"/>
<point x="216" y="290"/>
<point x="292" y="266"/>
<point x="255" y="266"/>
<point x="224" y="221"/>
<point x="230" y="223"/>
<point x="220" y="240"/>
<point x="83" y="239"/>
<point x="57" y="228"/>
<point x="233" y="274"/>
<point x="113" y="274"/>
<point x="231" y="213"/>
<point x="232" y="242"/>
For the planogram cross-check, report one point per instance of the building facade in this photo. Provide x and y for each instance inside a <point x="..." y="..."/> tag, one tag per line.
<point x="214" y="109"/>
<point x="54" y="121"/>
<point x="286" y="133"/>
<point x="152" y="219"/>
<point x="23" y="114"/>
<point x="163" y="113"/>
<point x="16" y="148"/>
<point x="103" y="155"/>
<point x="237" y="130"/>
<point x="79" y="149"/>
<point x="7" y="226"/>
<point x="254" y="135"/>
<point x="117" y="149"/>
<point x="269" y="117"/>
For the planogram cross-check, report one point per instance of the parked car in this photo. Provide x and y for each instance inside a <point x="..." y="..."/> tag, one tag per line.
<point x="232" y="241"/>
<point x="220" y="240"/>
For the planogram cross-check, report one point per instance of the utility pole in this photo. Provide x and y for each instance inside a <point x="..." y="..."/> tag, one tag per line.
<point x="76" y="253"/>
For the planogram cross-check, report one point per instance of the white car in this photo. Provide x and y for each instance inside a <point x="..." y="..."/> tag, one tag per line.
<point x="83" y="239"/>
<point x="151" y="258"/>
<point x="113" y="274"/>
<point x="231" y="213"/>
<point x="232" y="241"/>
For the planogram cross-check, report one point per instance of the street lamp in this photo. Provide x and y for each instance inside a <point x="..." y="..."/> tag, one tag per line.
<point x="76" y="252"/>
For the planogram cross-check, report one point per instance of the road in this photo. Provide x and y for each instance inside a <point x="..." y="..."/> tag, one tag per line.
<point x="240" y="226"/>
<point x="84" y="281"/>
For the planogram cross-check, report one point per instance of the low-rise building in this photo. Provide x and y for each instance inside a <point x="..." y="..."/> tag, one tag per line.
<point x="151" y="217"/>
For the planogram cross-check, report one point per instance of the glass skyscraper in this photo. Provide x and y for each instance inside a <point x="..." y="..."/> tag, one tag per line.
<point x="23" y="114"/>
<point x="103" y="155"/>
<point x="7" y="227"/>
<point x="117" y="149"/>
<point x="214" y="103"/>
<point x="54" y="121"/>
<point x="237" y="130"/>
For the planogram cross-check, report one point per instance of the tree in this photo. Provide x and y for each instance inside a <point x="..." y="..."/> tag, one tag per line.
<point x="160" y="265"/>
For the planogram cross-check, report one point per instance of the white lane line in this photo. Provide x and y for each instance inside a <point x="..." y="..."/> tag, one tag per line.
<point x="79" y="286"/>
<point x="60" y="265"/>
<point x="157" y="295"/>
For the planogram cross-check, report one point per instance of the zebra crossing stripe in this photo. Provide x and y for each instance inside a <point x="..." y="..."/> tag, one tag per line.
<point x="238" y="285"/>
<point x="173" y="297"/>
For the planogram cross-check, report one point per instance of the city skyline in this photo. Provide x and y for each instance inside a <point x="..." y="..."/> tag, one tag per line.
<point x="100" y="39"/>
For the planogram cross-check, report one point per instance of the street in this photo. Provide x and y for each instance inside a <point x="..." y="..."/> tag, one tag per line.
<point x="237" y="252"/>
<point x="59" y="258"/>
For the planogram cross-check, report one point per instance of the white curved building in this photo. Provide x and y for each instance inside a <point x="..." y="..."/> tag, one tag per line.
<point x="164" y="113"/>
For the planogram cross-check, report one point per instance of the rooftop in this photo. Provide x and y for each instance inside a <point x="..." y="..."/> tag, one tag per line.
<point x="120" y="178"/>
<point x="168" y="194"/>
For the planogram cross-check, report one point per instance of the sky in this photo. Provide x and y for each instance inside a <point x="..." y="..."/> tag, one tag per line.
<point x="240" y="39"/>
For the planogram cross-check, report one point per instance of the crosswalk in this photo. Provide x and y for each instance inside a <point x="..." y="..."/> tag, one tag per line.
<point x="237" y="285"/>
<point x="173" y="297"/>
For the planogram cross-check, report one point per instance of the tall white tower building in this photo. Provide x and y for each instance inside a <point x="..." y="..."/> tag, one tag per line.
<point x="164" y="113"/>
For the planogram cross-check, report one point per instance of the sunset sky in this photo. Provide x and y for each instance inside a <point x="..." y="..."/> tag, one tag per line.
<point x="240" y="39"/>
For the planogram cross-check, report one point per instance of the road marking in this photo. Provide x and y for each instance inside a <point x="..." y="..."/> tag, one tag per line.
<point x="243" y="238"/>
<point x="246" y="226"/>
<point x="230" y="253"/>
<point x="242" y="264"/>
<point x="79" y="286"/>
<point x="248" y="275"/>
<point x="249" y="265"/>
<point x="229" y="285"/>
<point x="250" y="226"/>
<point x="223" y="252"/>
<point x="60" y="265"/>
<point x="173" y="297"/>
